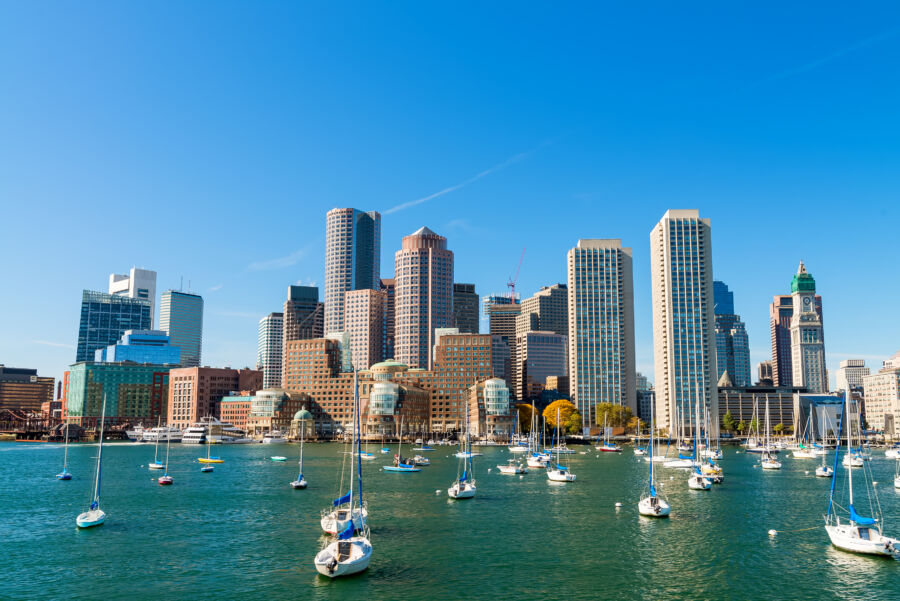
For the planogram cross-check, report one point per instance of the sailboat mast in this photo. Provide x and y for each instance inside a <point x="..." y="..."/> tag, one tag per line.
<point x="100" y="452"/>
<point x="837" y="455"/>
<point x="66" y="451"/>
<point x="849" y="446"/>
<point x="358" y="457"/>
<point x="156" y="448"/>
<point x="651" y="447"/>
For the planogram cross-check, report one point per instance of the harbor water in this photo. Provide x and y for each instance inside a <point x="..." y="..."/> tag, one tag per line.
<point x="241" y="532"/>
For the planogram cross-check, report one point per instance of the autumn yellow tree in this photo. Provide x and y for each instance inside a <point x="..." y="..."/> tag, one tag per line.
<point x="524" y="417"/>
<point x="569" y="417"/>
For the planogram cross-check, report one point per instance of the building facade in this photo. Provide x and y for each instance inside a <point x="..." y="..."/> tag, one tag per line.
<point x="539" y="355"/>
<point x="273" y="409"/>
<point x="465" y="308"/>
<point x="882" y="393"/>
<point x="389" y="289"/>
<point x="780" y="312"/>
<point x="105" y="317"/>
<point x="850" y="374"/>
<point x="196" y="392"/>
<point x="732" y="343"/>
<point x="269" y="348"/>
<point x="181" y="316"/>
<point x="304" y="316"/>
<point x="234" y="409"/>
<point x="683" y="321"/>
<point x="22" y="389"/>
<point x="133" y="393"/>
<point x="601" y="327"/>
<point x="807" y="335"/>
<point x="352" y="259"/>
<point x="502" y="325"/>
<point x="491" y="415"/>
<point x="137" y="283"/>
<point x="141" y="346"/>
<point x="364" y="320"/>
<point x="424" y="298"/>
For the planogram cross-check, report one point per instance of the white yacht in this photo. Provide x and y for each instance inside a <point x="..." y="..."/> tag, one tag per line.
<point x="274" y="437"/>
<point x="136" y="434"/>
<point x="212" y="431"/>
<point x="196" y="434"/>
<point x="162" y="434"/>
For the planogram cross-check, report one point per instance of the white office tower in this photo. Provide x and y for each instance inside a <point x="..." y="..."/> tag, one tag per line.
<point x="138" y="283"/>
<point x="268" y="349"/>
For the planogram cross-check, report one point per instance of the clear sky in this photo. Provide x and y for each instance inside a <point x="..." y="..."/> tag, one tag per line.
<point x="208" y="139"/>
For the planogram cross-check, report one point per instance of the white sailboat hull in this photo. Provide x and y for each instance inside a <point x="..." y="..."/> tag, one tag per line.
<point x="157" y="466"/>
<point x="771" y="465"/>
<point x="461" y="490"/>
<point x="89" y="519"/>
<point x="648" y="508"/>
<point x="848" y="537"/>
<point x="678" y="463"/>
<point x="823" y="471"/>
<point x="298" y="484"/>
<point x="342" y="558"/>
<point x="517" y="449"/>
<point x="897" y="482"/>
<point x="560" y="476"/>
<point x="538" y="461"/>
<point x="640" y="452"/>
<point x="798" y="454"/>
<point x="892" y="453"/>
<point x="848" y="461"/>
<point x="656" y="459"/>
<point x="512" y="469"/>
<point x="337" y="520"/>
<point x="696" y="482"/>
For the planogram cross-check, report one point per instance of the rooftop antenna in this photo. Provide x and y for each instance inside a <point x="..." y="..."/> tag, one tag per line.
<point x="181" y="285"/>
<point x="512" y="281"/>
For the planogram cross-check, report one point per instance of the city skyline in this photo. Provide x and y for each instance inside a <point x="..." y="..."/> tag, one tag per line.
<point x="773" y="137"/>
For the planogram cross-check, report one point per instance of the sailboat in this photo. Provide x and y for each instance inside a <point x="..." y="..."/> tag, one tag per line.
<point x="166" y="479"/>
<point x="824" y="471"/>
<point x="464" y="485"/>
<point x="560" y="473"/>
<point x="95" y="516"/>
<point x="209" y="458"/>
<point x="653" y="505"/>
<point x="300" y="482"/>
<point x="768" y="460"/>
<point x="350" y="550"/>
<point x="897" y="474"/>
<point x="607" y="447"/>
<point x="537" y="457"/>
<point x="400" y="463"/>
<point x="805" y="451"/>
<point x="156" y="465"/>
<point x="697" y="481"/>
<point x="366" y="455"/>
<point x="709" y="468"/>
<point x="638" y="449"/>
<point x="64" y="474"/>
<point x="854" y="457"/>
<point x="707" y="451"/>
<point x="517" y="445"/>
<point x="859" y="534"/>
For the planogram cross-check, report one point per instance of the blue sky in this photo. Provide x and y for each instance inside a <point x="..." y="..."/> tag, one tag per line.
<point x="207" y="140"/>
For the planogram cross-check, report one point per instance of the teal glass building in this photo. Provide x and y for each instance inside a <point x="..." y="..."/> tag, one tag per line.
<point x="181" y="317"/>
<point x="105" y="317"/>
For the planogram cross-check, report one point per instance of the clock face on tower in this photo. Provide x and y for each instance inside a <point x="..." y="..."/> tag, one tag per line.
<point x="806" y="301"/>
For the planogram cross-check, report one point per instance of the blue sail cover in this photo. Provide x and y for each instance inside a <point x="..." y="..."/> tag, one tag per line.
<point x="464" y="477"/>
<point x="860" y="520"/>
<point x="680" y="456"/>
<point x="561" y="468"/>
<point x="652" y="491"/>
<point x="348" y="531"/>
<point x="299" y="476"/>
<point x="342" y="500"/>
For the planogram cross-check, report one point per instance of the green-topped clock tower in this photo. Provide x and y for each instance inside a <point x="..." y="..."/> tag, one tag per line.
<point x="807" y="337"/>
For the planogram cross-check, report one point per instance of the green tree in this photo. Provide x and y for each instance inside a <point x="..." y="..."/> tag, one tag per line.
<point x="617" y="416"/>
<point x="569" y="417"/>
<point x="728" y="423"/>
<point x="778" y="429"/>
<point x="742" y="426"/>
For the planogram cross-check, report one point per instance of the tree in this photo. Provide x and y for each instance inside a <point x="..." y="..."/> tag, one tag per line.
<point x="728" y="423"/>
<point x="569" y="417"/>
<point x="742" y="426"/>
<point x="778" y="429"/>
<point x="754" y="424"/>
<point x="525" y="412"/>
<point x="617" y="416"/>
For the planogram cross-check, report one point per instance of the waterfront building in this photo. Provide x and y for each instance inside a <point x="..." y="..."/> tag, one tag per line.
<point x="364" y="319"/>
<point x="269" y="349"/>
<point x="882" y="393"/>
<point x="23" y="389"/>
<point x="780" y="313"/>
<point x="181" y="316"/>
<point x="765" y="373"/>
<point x="491" y="415"/>
<point x="343" y="340"/>
<point x="465" y="308"/>
<point x="389" y="289"/>
<point x="424" y="298"/>
<point x="352" y="259"/>
<point x="196" y="392"/>
<point x="137" y="283"/>
<point x="304" y="316"/>
<point x="850" y="374"/>
<point x="732" y="343"/>
<point x="234" y="408"/>
<point x="273" y="409"/>
<point x="601" y="327"/>
<point x="539" y="355"/>
<point x="105" y="317"/>
<point x="741" y="400"/>
<point x="826" y="410"/>
<point x="807" y="336"/>
<point x="502" y="324"/>
<point x="134" y="392"/>
<point x="141" y="346"/>
<point x="683" y="322"/>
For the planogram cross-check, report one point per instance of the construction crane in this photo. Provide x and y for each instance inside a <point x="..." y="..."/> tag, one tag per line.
<point x="512" y="281"/>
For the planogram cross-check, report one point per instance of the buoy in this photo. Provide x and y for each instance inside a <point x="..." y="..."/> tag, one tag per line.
<point x="520" y="477"/>
<point x="437" y="492"/>
<point x="671" y="477"/>
<point x="773" y="532"/>
<point x="807" y="472"/>
<point x="874" y="482"/>
<point x="618" y="505"/>
<point x="489" y="469"/>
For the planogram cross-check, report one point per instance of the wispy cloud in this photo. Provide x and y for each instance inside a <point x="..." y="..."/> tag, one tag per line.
<point x="308" y="282"/>
<point x="241" y="314"/>
<point x="280" y="262"/>
<point x="498" y="167"/>
<point x="56" y="344"/>
<point x="827" y="59"/>
<point x="216" y="287"/>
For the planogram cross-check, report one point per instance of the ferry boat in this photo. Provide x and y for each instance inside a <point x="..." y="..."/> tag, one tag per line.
<point x="210" y="430"/>
<point x="162" y="434"/>
<point x="196" y="434"/>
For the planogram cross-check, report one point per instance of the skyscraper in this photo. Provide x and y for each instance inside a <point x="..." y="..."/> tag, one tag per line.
<point x="601" y="327"/>
<point x="138" y="283"/>
<point x="387" y="286"/>
<point x="304" y="315"/>
<point x="181" y="316"/>
<point x="105" y="317"/>
<point x="780" y="312"/>
<point x="732" y="343"/>
<point x="465" y="308"/>
<point x="545" y="311"/>
<point x="683" y="322"/>
<point x="502" y="325"/>
<point x="352" y="259"/>
<point x="364" y="321"/>
<point x="270" y="348"/>
<point x="850" y="375"/>
<point x="424" y="297"/>
<point x="539" y="355"/>
<point x="807" y="335"/>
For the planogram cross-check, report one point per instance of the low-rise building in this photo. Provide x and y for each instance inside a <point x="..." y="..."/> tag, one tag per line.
<point x="133" y="392"/>
<point x="274" y="409"/>
<point x="745" y="403"/>
<point x="196" y="392"/>
<point x="491" y="416"/>
<point x="882" y="394"/>
<point x="234" y="409"/>
<point x="23" y="389"/>
<point x="141" y="346"/>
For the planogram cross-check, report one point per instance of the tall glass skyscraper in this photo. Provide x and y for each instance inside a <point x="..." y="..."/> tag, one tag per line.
<point x="181" y="317"/>
<point x="352" y="259"/>
<point x="601" y="327"/>
<point x="732" y="343"/>
<point x="683" y="321"/>
<point x="269" y="346"/>
<point x="105" y="317"/>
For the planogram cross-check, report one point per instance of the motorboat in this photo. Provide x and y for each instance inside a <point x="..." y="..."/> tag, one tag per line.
<point x="420" y="460"/>
<point x="136" y="434"/>
<point x="162" y="434"/>
<point x="274" y="437"/>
